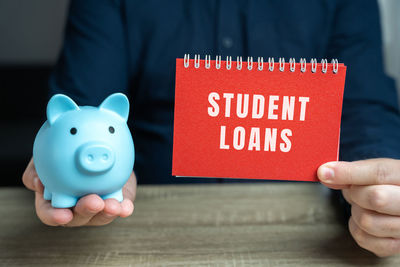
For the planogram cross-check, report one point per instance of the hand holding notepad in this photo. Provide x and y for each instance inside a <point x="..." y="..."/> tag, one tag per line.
<point x="256" y="120"/>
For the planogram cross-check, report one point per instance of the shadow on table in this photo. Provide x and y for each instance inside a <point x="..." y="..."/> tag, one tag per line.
<point x="344" y="248"/>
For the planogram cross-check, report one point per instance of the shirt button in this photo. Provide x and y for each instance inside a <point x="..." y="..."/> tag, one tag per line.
<point x="227" y="42"/>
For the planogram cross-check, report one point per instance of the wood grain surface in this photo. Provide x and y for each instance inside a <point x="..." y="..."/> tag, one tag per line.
<point x="273" y="224"/>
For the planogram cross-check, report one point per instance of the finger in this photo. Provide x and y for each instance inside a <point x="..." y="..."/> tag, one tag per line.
<point x="39" y="186"/>
<point x="129" y="192"/>
<point x="127" y="208"/>
<point x="381" y="198"/>
<point x="347" y="196"/>
<point x="30" y="178"/>
<point x="376" y="224"/>
<point x="129" y="189"/>
<point x="49" y="215"/>
<point x="380" y="246"/>
<point x="87" y="207"/>
<point x="363" y="172"/>
<point x="112" y="210"/>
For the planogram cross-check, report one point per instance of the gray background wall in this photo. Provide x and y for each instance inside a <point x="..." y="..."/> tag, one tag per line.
<point x="390" y="18"/>
<point x="31" y="30"/>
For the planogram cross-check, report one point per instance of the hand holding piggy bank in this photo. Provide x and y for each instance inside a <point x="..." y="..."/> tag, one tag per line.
<point x="81" y="150"/>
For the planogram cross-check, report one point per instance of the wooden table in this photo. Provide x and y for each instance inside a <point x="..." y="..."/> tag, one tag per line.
<point x="274" y="224"/>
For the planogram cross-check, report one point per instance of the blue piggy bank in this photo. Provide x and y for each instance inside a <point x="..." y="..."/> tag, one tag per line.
<point x="81" y="150"/>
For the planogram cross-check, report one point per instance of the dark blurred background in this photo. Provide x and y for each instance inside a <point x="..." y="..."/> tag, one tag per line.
<point x="30" y="39"/>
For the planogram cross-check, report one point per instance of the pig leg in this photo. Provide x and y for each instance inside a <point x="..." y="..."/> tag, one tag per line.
<point x="63" y="201"/>
<point x="117" y="195"/>
<point x="46" y="194"/>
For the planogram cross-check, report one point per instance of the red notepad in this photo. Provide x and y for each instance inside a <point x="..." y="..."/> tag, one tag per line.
<point x="256" y="120"/>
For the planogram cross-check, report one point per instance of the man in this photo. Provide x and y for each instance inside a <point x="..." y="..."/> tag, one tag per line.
<point x="131" y="46"/>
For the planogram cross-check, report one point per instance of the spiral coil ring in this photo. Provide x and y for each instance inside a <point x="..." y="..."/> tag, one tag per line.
<point x="207" y="63"/>
<point x="271" y="64"/>
<point x="228" y="62"/>
<point x="260" y="63"/>
<point x="196" y="61"/>
<point x="249" y="63"/>
<point x="186" y="60"/>
<point x="292" y="64"/>
<point x="218" y="62"/>
<point x="282" y="64"/>
<point x="314" y="65"/>
<point x="324" y="63"/>
<point x="303" y="65"/>
<point x="239" y="60"/>
<point x="335" y="64"/>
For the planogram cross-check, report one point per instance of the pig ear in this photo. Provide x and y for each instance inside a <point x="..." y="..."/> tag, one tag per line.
<point x="59" y="104"/>
<point x="117" y="103"/>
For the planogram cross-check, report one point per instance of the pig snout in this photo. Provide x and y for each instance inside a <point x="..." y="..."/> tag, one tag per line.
<point x="95" y="157"/>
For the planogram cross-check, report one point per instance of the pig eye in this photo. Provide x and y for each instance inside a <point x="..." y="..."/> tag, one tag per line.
<point x="73" y="131"/>
<point x="111" y="129"/>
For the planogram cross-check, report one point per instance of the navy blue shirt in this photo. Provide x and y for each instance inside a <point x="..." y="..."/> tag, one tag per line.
<point x="131" y="46"/>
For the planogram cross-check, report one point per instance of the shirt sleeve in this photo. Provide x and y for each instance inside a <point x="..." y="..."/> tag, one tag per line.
<point x="370" y="121"/>
<point x="93" y="60"/>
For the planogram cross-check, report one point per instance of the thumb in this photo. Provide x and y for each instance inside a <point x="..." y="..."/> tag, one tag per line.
<point x="31" y="179"/>
<point x="379" y="171"/>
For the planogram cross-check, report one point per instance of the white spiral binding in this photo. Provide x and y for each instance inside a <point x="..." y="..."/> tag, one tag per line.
<point x="324" y="63"/>
<point x="186" y="60"/>
<point x="228" y="62"/>
<point x="217" y="62"/>
<point x="282" y="64"/>
<point x="335" y="64"/>
<point x="271" y="64"/>
<point x="314" y="65"/>
<point x="196" y="61"/>
<point x="207" y="61"/>
<point x="303" y="65"/>
<point x="292" y="64"/>
<point x="260" y="63"/>
<point x="239" y="61"/>
<point x="249" y="63"/>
